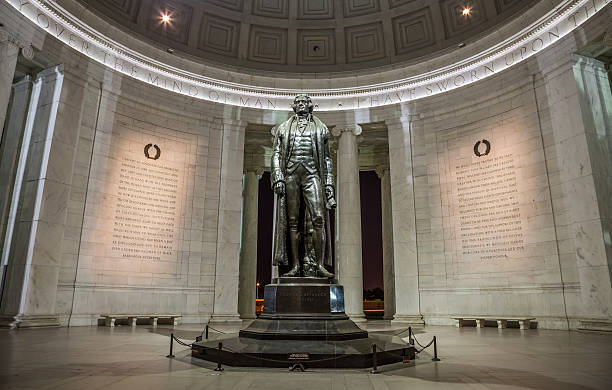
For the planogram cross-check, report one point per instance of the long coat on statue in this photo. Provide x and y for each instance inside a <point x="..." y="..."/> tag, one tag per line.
<point x="283" y="145"/>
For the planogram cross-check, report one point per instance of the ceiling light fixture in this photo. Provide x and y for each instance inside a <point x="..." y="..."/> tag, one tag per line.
<point x="466" y="11"/>
<point x="165" y="18"/>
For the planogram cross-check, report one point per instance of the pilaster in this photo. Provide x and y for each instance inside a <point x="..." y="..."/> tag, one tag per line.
<point x="405" y="255"/>
<point x="349" y="268"/>
<point x="227" y="264"/>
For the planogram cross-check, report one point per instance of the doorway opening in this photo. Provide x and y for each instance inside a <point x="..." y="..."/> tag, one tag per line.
<point x="371" y="244"/>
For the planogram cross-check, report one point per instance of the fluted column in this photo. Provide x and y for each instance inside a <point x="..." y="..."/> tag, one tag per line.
<point x="248" y="250"/>
<point x="387" y="241"/>
<point x="348" y="264"/>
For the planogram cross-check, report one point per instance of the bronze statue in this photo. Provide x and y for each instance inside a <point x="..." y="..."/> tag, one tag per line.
<point x="303" y="180"/>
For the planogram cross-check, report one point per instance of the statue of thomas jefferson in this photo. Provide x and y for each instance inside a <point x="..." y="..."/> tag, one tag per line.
<point x="303" y="180"/>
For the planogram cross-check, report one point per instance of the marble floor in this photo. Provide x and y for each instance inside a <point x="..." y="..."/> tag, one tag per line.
<point x="134" y="358"/>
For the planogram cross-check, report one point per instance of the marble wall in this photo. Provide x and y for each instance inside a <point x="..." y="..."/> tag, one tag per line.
<point x="522" y="228"/>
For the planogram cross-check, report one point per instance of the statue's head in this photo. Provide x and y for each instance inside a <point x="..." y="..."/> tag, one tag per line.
<point x="302" y="104"/>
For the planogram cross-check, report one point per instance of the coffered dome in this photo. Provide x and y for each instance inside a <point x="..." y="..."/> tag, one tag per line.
<point x="308" y="36"/>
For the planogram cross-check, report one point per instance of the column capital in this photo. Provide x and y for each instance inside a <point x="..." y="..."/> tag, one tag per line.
<point x="26" y="47"/>
<point x="353" y="128"/>
<point x="382" y="171"/>
<point x="258" y="171"/>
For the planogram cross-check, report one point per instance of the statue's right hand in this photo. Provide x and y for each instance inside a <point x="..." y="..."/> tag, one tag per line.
<point x="279" y="188"/>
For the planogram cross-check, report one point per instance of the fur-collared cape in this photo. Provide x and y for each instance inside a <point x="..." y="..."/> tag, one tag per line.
<point x="283" y="145"/>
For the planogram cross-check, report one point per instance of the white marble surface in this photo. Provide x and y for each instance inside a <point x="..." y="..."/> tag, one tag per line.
<point x="407" y="306"/>
<point x="555" y="126"/>
<point x="8" y="59"/>
<point x="471" y="358"/>
<point x="227" y="265"/>
<point x="349" y="261"/>
<point x="39" y="223"/>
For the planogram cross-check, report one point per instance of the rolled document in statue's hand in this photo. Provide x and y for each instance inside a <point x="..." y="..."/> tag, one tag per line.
<point x="331" y="203"/>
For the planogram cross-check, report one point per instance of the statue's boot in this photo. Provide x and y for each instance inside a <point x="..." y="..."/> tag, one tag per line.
<point x="319" y="246"/>
<point x="295" y="262"/>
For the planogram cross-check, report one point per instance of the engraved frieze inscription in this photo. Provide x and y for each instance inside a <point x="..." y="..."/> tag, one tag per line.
<point x="489" y="217"/>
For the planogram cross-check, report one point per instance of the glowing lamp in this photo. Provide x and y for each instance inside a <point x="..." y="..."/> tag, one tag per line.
<point x="466" y="11"/>
<point x="165" y="18"/>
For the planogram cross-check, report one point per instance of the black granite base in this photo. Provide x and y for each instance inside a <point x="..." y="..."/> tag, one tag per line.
<point x="306" y="328"/>
<point x="303" y="309"/>
<point x="248" y="352"/>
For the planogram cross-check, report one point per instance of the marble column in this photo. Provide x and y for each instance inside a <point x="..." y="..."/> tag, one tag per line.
<point x="248" y="250"/>
<point x="348" y="259"/>
<point x="9" y="52"/>
<point x="227" y="263"/>
<point x="35" y="247"/>
<point x="405" y="264"/>
<point x="387" y="241"/>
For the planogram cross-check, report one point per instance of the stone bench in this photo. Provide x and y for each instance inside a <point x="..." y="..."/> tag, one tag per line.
<point x="502" y="322"/>
<point x="109" y="319"/>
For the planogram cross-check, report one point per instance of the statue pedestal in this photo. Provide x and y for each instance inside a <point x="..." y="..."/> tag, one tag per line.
<point x="303" y="321"/>
<point x="303" y="309"/>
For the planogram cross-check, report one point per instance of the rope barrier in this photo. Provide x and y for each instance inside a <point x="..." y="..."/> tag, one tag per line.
<point x="181" y="342"/>
<point x="216" y="330"/>
<point x="172" y="339"/>
<point x="400" y="332"/>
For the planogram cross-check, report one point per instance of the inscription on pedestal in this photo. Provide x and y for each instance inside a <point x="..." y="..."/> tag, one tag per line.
<point x="308" y="298"/>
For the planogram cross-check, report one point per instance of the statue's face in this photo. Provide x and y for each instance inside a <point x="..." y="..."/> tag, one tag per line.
<point x="300" y="105"/>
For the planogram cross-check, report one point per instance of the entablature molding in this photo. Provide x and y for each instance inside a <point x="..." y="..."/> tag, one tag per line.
<point x="561" y="20"/>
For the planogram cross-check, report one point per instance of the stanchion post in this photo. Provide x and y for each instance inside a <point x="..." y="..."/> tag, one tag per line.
<point x="171" y="355"/>
<point x="219" y="368"/>
<point x="435" y="358"/>
<point x="410" y="341"/>
<point x="374" y="369"/>
<point x="206" y="331"/>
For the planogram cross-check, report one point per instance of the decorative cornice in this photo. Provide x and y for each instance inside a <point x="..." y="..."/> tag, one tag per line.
<point x="560" y="21"/>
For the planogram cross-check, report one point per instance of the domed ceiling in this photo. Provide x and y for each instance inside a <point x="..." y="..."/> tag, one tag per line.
<point x="307" y="35"/>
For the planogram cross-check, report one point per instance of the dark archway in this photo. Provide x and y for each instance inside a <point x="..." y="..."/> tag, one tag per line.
<point x="371" y="243"/>
<point x="264" y="232"/>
